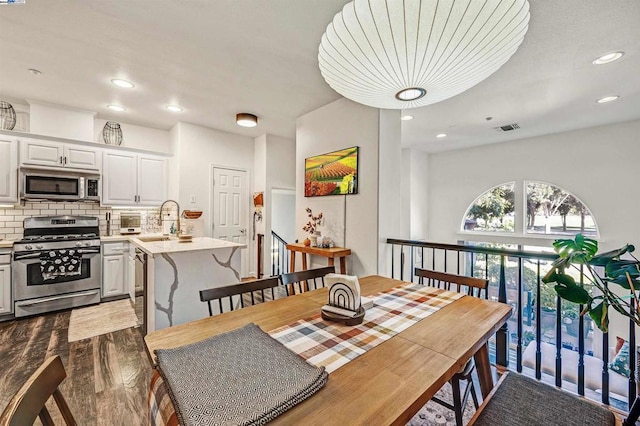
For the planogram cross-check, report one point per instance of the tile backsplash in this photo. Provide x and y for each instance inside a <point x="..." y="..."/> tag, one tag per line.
<point x="11" y="219"/>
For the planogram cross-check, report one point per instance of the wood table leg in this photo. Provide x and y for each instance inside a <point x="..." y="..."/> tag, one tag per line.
<point x="330" y="261"/>
<point x="483" y="367"/>
<point x="304" y="261"/>
<point x="343" y="265"/>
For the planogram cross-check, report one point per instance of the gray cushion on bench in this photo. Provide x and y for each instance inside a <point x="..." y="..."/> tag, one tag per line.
<point x="523" y="401"/>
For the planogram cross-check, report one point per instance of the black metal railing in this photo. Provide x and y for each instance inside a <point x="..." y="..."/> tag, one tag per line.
<point x="563" y="341"/>
<point x="279" y="255"/>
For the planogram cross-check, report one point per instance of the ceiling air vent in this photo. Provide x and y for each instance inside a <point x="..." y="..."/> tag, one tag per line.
<point x="508" y="127"/>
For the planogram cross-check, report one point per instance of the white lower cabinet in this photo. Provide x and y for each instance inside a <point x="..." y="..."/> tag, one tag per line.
<point x="6" y="304"/>
<point x="114" y="269"/>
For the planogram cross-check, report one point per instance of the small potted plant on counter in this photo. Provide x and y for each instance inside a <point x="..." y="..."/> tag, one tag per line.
<point x="311" y="228"/>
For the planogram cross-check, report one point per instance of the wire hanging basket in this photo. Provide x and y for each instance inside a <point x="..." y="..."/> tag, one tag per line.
<point x="112" y="133"/>
<point x="7" y="116"/>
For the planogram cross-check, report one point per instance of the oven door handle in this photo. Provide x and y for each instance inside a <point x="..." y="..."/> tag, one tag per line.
<point x="23" y="256"/>
<point x="95" y="250"/>
<point x="51" y="299"/>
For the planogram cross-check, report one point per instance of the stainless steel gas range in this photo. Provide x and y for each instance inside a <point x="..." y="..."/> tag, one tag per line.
<point x="57" y="265"/>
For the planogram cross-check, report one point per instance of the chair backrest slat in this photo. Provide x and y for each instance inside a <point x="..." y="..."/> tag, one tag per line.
<point x="304" y="280"/>
<point x="29" y="402"/>
<point x="240" y="289"/>
<point x="476" y="287"/>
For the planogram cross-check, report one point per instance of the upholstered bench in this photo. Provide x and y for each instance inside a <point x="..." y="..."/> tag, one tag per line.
<point x="518" y="400"/>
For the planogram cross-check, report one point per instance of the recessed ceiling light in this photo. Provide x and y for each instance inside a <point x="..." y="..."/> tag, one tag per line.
<point x="118" y="108"/>
<point x="608" y="99"/>
<point x="609" y="57"/>
<point x="122" y="83"/>
<point x="406" y="117"/>
<point x="441" y="135"/>
<point x="174" y="108"/>
<point x="411" y="94"/>
<point x="35" y="71"/>
<point x="246" y="120"/>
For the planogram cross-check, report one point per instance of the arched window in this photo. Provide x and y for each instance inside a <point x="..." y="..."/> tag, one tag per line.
<point x="553" y="210"/>
<point x="547" y="210"/>
<point x="493" y="211"/>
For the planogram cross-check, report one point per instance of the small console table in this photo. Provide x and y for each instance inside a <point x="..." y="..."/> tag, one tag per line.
<point x="329" y="253"/>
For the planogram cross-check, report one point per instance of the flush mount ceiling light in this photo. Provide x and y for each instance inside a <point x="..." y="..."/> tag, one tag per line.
<point x="174" y="108"/>
<point x="609" y="57"/>
<point x="123" y="83"/>
<point x="246" y="120"/>
<point x="441" y="135"/>
<point x="118" y="108"/>
<point x="404" y="54"/>
<point x="608" y="99"/>
<point x="406" y="117"/>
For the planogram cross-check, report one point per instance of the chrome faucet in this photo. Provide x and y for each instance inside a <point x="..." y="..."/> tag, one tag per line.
<point x="178" y="218"/>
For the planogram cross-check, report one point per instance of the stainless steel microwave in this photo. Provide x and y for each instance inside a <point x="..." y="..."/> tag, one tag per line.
<point x="61" y="185"/>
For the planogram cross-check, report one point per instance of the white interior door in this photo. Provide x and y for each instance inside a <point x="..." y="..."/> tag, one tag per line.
<point x="230" y="207"/>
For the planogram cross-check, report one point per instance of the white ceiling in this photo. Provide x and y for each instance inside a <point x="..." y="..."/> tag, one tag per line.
<point x="218" y="58"/>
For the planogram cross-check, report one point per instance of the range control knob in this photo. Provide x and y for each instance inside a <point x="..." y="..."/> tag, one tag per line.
<point x="87" y="243"/>
<point x="78" y="244"/>
<point x="39" y="246"/>
<point x="28" y="247"/>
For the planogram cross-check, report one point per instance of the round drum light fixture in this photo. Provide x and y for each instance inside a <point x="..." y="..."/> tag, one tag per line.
<point x="609" y="57"/>
<point x="246" y="120"/>
<point x="404" y="54"/>
<point x="118" y="108"/>
<point x="123" y="83"/>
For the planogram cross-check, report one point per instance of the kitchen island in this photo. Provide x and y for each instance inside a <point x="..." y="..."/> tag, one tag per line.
<point x="177" y="271"/>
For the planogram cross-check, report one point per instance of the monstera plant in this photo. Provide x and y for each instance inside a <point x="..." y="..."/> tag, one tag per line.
<point x="605" y="272"/>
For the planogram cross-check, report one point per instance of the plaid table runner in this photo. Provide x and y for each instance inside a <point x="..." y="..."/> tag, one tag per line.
<point x="331" y="345"/>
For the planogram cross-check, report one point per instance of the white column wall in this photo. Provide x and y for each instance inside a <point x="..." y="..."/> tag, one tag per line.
<point x="350" y="220"/>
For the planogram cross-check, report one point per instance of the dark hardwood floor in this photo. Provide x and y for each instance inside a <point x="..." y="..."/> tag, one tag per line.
<point x="107" y="376"/>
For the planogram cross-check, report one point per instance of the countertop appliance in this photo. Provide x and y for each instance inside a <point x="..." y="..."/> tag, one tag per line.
<point x="130" y="222"/>
<point x="59" y="185"/>
<point x="70" y="239"/>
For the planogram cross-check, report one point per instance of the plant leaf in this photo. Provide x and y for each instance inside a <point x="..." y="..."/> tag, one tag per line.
<point x="600" y="317"/>
<point x="567" y="289"/>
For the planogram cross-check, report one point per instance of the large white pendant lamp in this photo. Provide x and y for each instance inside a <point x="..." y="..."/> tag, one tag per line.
<point x="399" y="54"/>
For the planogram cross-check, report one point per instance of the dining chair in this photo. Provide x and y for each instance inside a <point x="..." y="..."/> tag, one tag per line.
<point x="476" y="287"/>
<point x="303" y="280"/>
<point x="250" y="293"/>
<point x="29" y="402"/>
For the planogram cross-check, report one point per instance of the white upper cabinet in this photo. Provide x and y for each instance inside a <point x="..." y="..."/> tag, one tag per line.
<point x="41" y="153"/>
<point x="36" y="152"/>
<point x="152" y="180"/>
<point x="8" y="170"/>
<point x="82" y="157"/>
<point x="133" y="179"/>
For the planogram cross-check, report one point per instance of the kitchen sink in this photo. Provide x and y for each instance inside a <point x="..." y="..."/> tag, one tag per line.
<point x="154" y="239"/>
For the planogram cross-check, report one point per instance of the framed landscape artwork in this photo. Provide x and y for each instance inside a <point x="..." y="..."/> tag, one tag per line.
<point x="334" y="173"/>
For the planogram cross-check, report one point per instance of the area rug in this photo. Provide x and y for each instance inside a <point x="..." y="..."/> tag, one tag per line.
<point x="436" y="414"/>
<point x="101" y="319"/>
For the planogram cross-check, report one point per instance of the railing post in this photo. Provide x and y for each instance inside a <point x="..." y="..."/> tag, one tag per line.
<point x="502" y="335"/>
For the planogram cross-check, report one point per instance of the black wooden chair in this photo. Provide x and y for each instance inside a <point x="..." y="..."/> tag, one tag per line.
<point x="471" y="286"/>
<point x="29" y="402"/>
<point x="305" y="280"/>
<point x="250" y="293"/>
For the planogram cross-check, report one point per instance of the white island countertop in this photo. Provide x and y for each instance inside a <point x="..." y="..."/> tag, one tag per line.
<point x="174" y="246"/>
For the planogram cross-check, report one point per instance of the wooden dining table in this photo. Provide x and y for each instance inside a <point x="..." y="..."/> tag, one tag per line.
<point x="387" y="384"/>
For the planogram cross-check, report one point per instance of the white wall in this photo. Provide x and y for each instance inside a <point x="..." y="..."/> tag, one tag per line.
<point x="283" y="209"/>
<point x="61" y="122"/>
<point x="138" y="137"/>
<point x="599" y="165"/>
<point x="197" y="148"/>
<point x="392" y="222"/>
<point x="350" y="220"/>
<point x="416" y="165"/>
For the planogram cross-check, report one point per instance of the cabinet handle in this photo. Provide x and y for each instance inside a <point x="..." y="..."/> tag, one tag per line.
<point x="61" y="159"/>
<point x="65" y="160"/>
